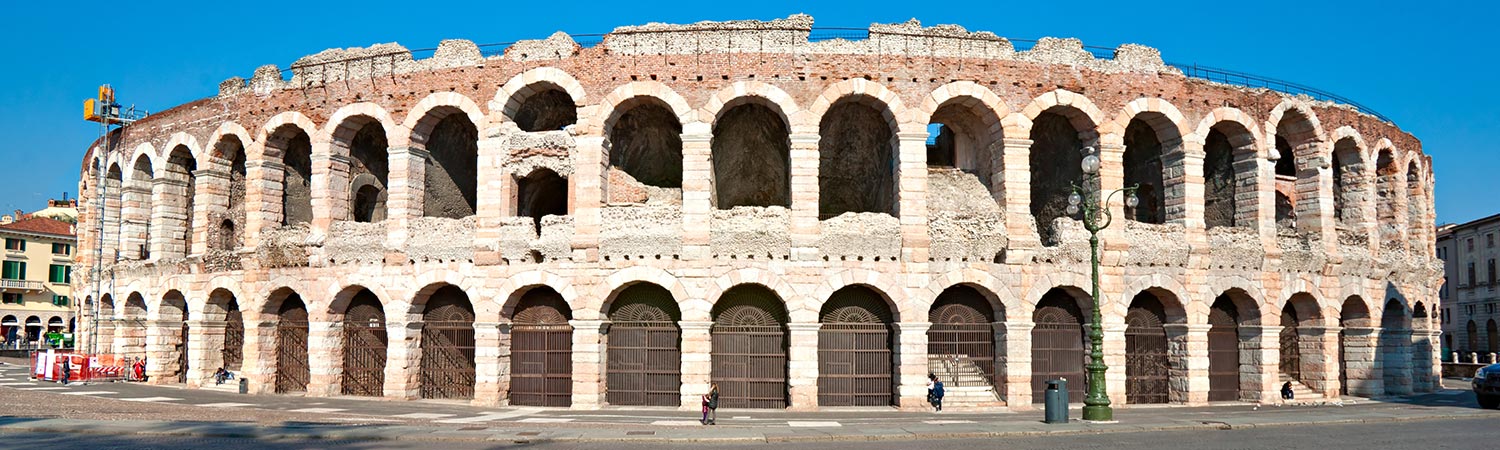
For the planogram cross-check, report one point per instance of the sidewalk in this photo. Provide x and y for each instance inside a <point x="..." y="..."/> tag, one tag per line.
<point x="120" y="408"/>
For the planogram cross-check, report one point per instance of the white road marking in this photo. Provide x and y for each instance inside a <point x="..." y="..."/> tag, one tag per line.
<point x="318" y="410"/>
<point x="676" y="423"/>
<point x="225" y="405"/>
<point x="361" y="419"/>
<point x="18" y="384"/>
<point x="89" y="393"/>
<point x="740" y="417"/>
<point x="424" y="416"/>
<point x="43" y="388"/>
<point x="151" y="399"/>
<point x="494" y="416"/>
<point x="544" y="420"/>
<point x="813" y="424"/>
<point x="946" y="422"/>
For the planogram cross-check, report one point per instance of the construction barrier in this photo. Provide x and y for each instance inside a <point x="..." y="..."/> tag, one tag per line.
<point x="48" y="366"/>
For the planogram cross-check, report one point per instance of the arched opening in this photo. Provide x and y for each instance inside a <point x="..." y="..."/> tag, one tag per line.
<point x="228" y="238"/>
<point x="751" y="149"/>
<point x="1356" y="350"/>
<point x="749" y="356"/>
<point x="365" y="344"/>
<point x="1421" y="351"/>
<point x="233" y="353"/>
<point x="1144" y="167"/>
<point x="34" y="330"/>
<point x="1148" y="371"/>
<point x="961" y="137"/>
<point x="179" y="218"/>
<point x="1287" y="165"/>
<point x="1301" y="343"/>
<point x="547" y="109"/>
<point x="1387" y="190"/>
<point x="10" y="329"/>
<point x="137" y="212"/>
<point x="1286" y="212"/>
<point x="541" y="350"/>
<point x="856" y="159"/>
<point x="645" y="142"/>
<point x="1057" y="349"/>
<point x="644" y="366"/>
<point x="962" y="337"/>
<point x="1056" y="164"/>
<point x="448" y="345"/>
<point x="1395" y="348"/>
<point x="1348" y="183"/>
<point x="1297" y="142"/>
<point x="1416" y="210"/>
<point x="223" y="231"/>
<point x="368" y="204"/>
<point x="1230" y="168"/>
<point x="540" y="194"/>
<point x="854" y="349"/>
<point x="1223" y="350"/>
<point x="451" y="171"/>
<point x="107" y="324"/>
<point x="363" y="140"/>
<point x="174" y="311"/>
<point x="294" y="147"/>
<point x="110" y="235"/>
<point x="292" y="368"/>
<point x="133" y="329"/>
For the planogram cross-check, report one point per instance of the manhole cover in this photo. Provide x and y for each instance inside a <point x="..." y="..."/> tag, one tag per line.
<point x="529" y="433"/>
<point x="640" y="433"/>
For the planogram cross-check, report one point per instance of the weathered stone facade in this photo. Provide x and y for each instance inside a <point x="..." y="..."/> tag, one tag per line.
<point x="556" y="205"/>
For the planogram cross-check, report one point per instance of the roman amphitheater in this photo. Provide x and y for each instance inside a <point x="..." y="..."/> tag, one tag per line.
<point x="807" y="217"/>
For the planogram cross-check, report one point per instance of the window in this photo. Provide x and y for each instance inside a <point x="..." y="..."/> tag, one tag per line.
<point x="17" y="245"/>
<point x="60" y="300"/>
<point x="1492" y="272"/>
<point x="1489" y="240"/>
<point x="59" y="274"/>
<point x="1489" y="308"/>
<point x="14" y="270"/>
<point x="1470" y="242"/>
<point x="1469" y="309"/>
<point x="1471" y="280"/>
<point x="11" y="298"/>
<point x="62" y="249"/>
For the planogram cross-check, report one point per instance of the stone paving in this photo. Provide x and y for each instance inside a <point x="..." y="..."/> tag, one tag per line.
<point x="131" y="408"/>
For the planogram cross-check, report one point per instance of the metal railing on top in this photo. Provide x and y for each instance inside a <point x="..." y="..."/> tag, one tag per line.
<point x="1255" y="81"/>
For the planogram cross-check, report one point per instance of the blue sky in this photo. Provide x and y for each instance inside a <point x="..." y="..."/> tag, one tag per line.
<point x="1426" y="65"/>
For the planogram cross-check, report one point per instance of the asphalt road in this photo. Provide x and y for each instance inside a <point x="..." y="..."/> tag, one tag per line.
<point x="1447" y="434"/>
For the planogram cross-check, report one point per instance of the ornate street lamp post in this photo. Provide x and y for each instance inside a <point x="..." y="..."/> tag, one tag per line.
<point x="1085" y="199"/>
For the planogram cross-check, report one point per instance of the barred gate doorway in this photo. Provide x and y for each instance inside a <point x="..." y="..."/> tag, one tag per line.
<point x="1290" y="363"/>
<point x="234" y="338"/>
<point x="644" y="366"/>
<point x="1057" y="345"/>
<point x="292" y="371"/>
<point x="365" y="343"/>
<point x="1223" y="351"/>
<point x="448" y="345"/>
<point x="749" y="356"/>
<point x="1147" y="370"/>
<point x="963" y="331"/>
<point x="181" y="349"/>
<point x="541" y="350"/>
<point x="854" y="350"/>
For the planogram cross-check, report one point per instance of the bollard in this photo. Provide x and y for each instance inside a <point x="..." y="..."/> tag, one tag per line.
<point x="244" y="386"/>
<point x="1056" y="401"/>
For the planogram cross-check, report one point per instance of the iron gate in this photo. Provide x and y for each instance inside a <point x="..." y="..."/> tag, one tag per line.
<point x="365" y="343"/>
<point x="1147" y="370"/>
<point x="961" y="328"/>
<point x="541" y="352"/>
<point x="645" y="357"/>
<point x="1057" y="351"/>
<point x="750" y="349"/>
<point x="1223" y="356"/>
<point x="1291" y="356"/>
<point x="234" y="340"/>
<point x="292" y="372"/>
<point x="854" y="350"/>
<point x="1343" y="365"/>
<point x="448" y="346"/>
<point x="182" y="355"/>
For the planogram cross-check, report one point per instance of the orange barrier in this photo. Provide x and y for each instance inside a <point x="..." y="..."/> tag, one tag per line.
<point x="48" y="366"/>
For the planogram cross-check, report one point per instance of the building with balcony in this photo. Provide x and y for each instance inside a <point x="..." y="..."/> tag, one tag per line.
<point x="36" y="277"/>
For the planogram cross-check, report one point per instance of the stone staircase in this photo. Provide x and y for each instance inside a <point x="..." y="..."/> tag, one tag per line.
<point x="964" y="385"/>
<point x="1301" y="393"/>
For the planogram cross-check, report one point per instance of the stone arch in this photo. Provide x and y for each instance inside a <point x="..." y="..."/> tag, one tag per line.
<point x="267" y="150"/>
<point x="1153" y="131"/>
<point x="510" y="98"/>
<point x="541" y="193"/>
<point x="622" y="279"/>
<point x="362" y="134"/>
<point x="1002" y="299"/>
<point x="881" y="283"/>
<point x="287" y="141"/>
<point x="618" y="102"/>
<point x="1061" y="123"/>
<point x="223" y="209"/>
<point x="342" y="295"/>
<point x="177" y="201"/>
<point x="445" y="128"/>
<point x="971" y="133"/>
<point x="225" y="131"/>
<point x="643" y="135"/>
<point x="1416" y="205"/>
<point x="1350" y="177"/>
<point x="1169" y="292"/>
<point x="1249" y="301"/>
<point x="1297" y="121"/>
<point x="769" y="280"/>
<point x="1389" y="193"/>
<point x="185" y="140"/>
<point x="518" y="284"/>
<point x="750" y="148"/>
<point x="858" y="149"/>
<point x="137" y="202"/>
<point x="1294" y="130"/>
<point x="433" y="279"/>
<point x="769" y="95"/>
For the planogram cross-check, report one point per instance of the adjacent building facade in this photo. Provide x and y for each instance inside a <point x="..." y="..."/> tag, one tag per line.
<point x="1469" y="252"/>
<point x="36" y="282"/>
<point x="752" y="205"/>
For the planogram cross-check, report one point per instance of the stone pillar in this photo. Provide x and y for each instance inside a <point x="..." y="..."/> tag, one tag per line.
<point x="1020" y="225"/>
<point x="490" y="198"/>
<point x="1423" y="378"/>
<point x="136" y="215"/>
<point x="1260" y="353"/>
<point x="911" y="372"/>
<point x="1395" y="350"/>
<point x="1187" y="352"/>
<point x="169" y="216"/>
<point x="697" y="361"/>
<point x="1362" y="365"/>
<point x="205" y="350"/>
<point x="325" y="351"/>
<point x="212" y="197"/>
<point x="588" y="363"/>
<point x="1114" y="357"/>
<point x="802" y="364"/>
<point x="162" y="338"/>
<point x="586" y="189"/>
<point x="1319" y="350"/>
<point x="264" y="185"/>
<point x="405" y="186"/>
<point x="260" y="353"/>
<point x="697" y="191"/>
<point x="911" y="193"/>
<point x="110" y="238"/>
<point x="805" y="226"/>
<point x="330" y="185"/>
<point x="487" y="369"/>
<point x="403" y="360"/>
<point x="1016" y="362"/>
<point x="1185" y="202"/>
<point x="1112" y="177"/>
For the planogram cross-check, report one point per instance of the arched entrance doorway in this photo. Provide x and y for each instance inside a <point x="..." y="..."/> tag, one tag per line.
<point x="750" y="348"/>
<point x="233" y="353"/>
<point x="1147" y="370"/>
<point x="1223" y="350"/>
<point x="292" y="372"/>
<point x="365" y="343"/>
<point x="541" y="350"/>
<point x="645" y="354"/>
<point x="1395" y="348"/>
<point x="1057" y="345"/>
<point x="854" y="349"/>
<point x="963" y="332"/>
<point x="448" y="345"/>
<point x="1356" y="355"/>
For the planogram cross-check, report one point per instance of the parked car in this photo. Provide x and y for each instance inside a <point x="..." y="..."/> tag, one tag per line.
<point x="1487" y="386"/>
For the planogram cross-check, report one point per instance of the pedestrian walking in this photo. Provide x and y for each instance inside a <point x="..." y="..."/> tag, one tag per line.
<point x="67" y="369"/>
<point x="711" y="405"/>
<point x="935" y="392"/>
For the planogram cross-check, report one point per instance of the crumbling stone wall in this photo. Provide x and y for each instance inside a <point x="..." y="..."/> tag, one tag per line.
<point x="296" y="196"/>
<point x="540" y="194"/>
<point x="856" y="164"/>
<point x="1143" y="167"/>
<point x="751" y="232"/>
<point x="1219" y="187"/>
<point x="440" y="239"/>
<point x="1387" y="188"/>
<point x="965" y="222"/>
<point x="547" y="110"/>
<point x="751" y="152"/>
<point x="221" y="239"/>
<point x="1055" y="163"/>
<point x="646" y="143"/>
<point x="451" y="172"/>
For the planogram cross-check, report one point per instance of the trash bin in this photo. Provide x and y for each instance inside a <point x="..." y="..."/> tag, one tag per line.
<point x="1057" y="401"/>
<point x="244" y="386"/>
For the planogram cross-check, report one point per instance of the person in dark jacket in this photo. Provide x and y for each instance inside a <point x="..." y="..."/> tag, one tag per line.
<point x="711" y="405"/>
<point x="67" y="370"/>
<point x="935" y="391"/>
<point x="1286" y="391"/>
